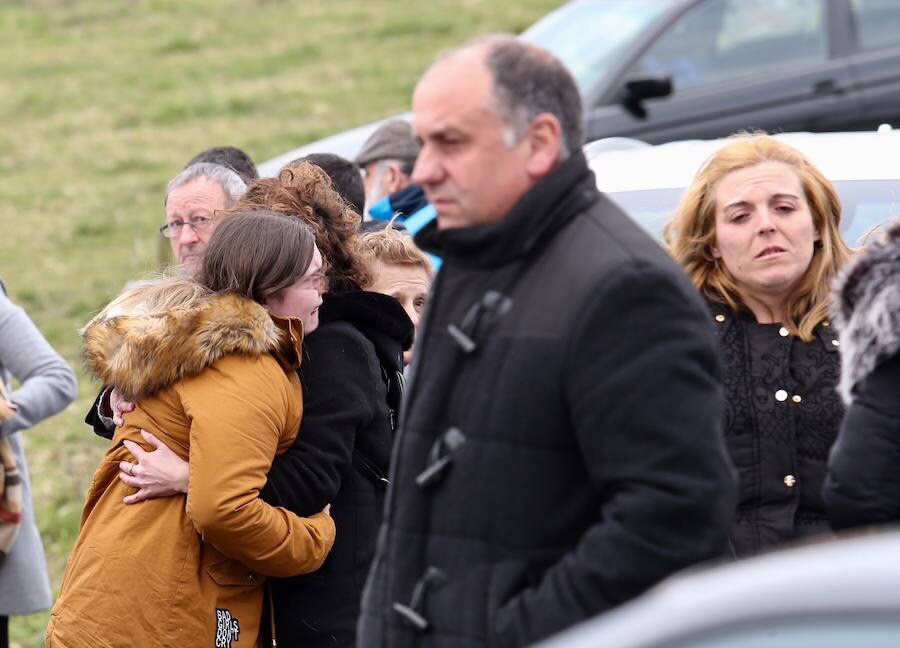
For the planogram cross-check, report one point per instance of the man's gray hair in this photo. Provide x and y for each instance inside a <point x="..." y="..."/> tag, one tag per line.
<point x="232" y="184"/>
<point x="528" y="81"/>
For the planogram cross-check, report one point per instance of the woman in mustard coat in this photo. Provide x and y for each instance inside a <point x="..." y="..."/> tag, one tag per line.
<point x="212" y="367"/>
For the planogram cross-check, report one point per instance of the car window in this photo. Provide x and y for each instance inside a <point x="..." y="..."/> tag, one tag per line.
<point x="727" y="39"/>
<point x="589" y="36"/>
<point x="651" y="209"/>
<point x="867" y="204"/>
<point x="877" y="23"/>
<point x="814" y="632"/>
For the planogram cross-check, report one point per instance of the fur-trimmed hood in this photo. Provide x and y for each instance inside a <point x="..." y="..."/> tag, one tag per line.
<point x="866" y="309"/>
<point x="140" y="354"/>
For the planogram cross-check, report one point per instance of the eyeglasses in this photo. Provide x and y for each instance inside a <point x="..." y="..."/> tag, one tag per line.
<point x="317" y="281"/>
<point x="197" y="223"/>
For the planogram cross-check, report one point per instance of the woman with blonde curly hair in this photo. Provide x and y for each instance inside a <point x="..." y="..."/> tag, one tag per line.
<point x="352" y="381"/>
<point x="758" y="232"/>
<point x="401" y="270"/>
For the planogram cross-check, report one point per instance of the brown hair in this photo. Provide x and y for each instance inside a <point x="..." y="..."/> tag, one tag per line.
<point x="304" y="190"/>
<point x="390" y="245"/>
<point x="691" y="234"/>
<point x="257" y="254"/>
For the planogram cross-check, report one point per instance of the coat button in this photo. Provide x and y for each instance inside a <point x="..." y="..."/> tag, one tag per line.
<point x="789" y="480"/>
<point x="796" y="398"/>
<point x="835" y="343"/>
<point x="720" y="318"/>
<point x="783" y="332"/>
<point x="781" y="395"/>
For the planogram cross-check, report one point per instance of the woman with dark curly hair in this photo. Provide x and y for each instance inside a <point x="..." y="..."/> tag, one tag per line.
<point x="352" y="383"/>
<point x="303" y="189"/>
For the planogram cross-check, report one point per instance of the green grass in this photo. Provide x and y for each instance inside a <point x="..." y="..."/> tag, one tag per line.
<point x="102" y="102"/>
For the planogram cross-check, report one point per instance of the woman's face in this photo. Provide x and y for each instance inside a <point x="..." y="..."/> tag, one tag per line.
<point x="303" y="298"/>
<point x="408" y="284"/>
<point x="764" y="229"/>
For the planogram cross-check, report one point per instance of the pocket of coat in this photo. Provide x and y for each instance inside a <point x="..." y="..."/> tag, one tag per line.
<point x="230" y="573"/>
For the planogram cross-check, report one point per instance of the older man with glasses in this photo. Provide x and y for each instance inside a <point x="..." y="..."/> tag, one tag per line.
<point x="193" y="198"/>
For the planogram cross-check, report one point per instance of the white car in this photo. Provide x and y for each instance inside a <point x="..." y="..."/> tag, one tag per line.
<point x="842" y="594"/>
<point x="648" y="181"/>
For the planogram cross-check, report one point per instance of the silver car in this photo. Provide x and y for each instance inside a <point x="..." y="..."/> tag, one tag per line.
<point x="843" y="594"/>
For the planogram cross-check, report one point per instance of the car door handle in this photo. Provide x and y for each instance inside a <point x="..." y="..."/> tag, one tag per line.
<point x="828" y="87"/>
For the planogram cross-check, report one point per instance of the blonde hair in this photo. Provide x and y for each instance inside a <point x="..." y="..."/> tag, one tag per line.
<point x="691" y="234"/>
<point x="153" y="297"/>
<point x="389" y="245"/>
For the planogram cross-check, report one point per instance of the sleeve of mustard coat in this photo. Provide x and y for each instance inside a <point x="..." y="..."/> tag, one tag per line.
<point x="645" y="402"/>
<point x="238" y="409"/>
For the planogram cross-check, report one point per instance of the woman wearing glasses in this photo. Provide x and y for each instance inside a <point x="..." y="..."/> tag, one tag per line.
<point x="211" y="365"/>
<point x="352" y="382"/>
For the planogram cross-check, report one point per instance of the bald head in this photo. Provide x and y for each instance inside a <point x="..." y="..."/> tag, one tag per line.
<point x="486" y="135"/>
<point x="526" y="80"/>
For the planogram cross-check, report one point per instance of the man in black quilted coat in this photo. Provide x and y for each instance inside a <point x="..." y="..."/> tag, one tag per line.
<point x="560" y="449"/>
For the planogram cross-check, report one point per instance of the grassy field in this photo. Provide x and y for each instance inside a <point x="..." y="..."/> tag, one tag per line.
<point x="102" y="102"/>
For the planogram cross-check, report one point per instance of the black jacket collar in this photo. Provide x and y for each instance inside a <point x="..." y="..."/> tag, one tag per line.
<point x="542" y="211"/>
<point x="374" y="314"/>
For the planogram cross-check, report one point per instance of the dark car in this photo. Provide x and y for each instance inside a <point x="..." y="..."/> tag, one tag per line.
<point x="663" y="70"/>
<point x="725" y="65"/>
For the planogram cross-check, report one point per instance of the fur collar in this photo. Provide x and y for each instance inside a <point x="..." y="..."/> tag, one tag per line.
<point x="866" y="309"/>
<point x="141" y="354"/>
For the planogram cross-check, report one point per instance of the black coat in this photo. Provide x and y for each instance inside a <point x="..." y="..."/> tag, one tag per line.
<point x="783" y="414"/>
<point x="863" y="485"/>
<point x="351" y="376"/>
<point x="560" y="448"/>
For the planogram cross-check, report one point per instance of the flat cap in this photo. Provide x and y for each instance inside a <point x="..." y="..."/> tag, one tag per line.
<point x="393" y="140"/>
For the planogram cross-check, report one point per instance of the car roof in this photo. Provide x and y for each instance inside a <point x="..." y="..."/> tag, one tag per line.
<point x="856" y="575"/>
<point x="867" y="155"/>
<point x="345" y="143"/>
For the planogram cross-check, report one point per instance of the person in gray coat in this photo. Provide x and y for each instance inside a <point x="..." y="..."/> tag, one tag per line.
<point x="47" y="385"/>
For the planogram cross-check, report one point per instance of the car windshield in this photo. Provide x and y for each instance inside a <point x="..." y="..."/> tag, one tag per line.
<point x="866" y="205"/>
<point x="589" y="35"/>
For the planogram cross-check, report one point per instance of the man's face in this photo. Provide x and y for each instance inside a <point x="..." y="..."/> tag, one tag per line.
<point x="383" y="178"/>
<point x="200" y="198"/>
<point x="467" y="170"/>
